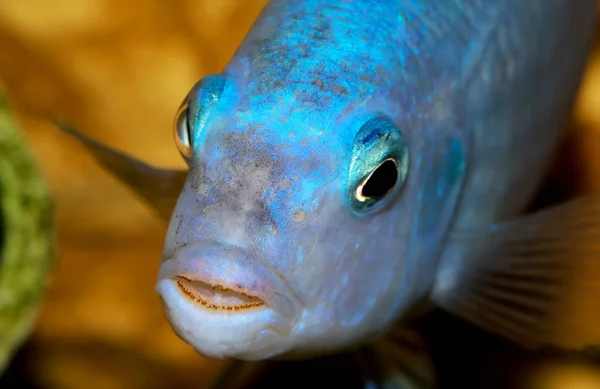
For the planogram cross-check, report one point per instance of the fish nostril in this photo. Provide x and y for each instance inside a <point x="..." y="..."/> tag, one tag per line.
<point x="217" y="297"/>
<point x="299" y="215"/>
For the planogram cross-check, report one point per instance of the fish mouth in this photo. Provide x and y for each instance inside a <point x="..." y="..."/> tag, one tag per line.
<point x="229" y="285"/>
<point x="217" y="297"/>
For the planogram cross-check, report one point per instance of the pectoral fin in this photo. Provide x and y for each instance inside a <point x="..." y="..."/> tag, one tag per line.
<point x="400" y="360"/>
<point x="238" y="374"/>
<point x="158" y="187"/>
<point x="535" y="280"/>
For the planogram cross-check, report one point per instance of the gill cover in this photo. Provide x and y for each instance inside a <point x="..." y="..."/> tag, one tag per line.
<point x="442" y="167"/>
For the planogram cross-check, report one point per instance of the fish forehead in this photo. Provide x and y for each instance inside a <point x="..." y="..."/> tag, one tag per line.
<point x="294" y="129"/>
<point x="304" y="80"/>
<point x="307" y="81"/>
<point x="310" y="72"/>
<point x="400" y="50"/>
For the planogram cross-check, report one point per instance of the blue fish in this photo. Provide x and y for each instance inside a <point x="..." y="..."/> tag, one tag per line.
<point x="358" y="163"/>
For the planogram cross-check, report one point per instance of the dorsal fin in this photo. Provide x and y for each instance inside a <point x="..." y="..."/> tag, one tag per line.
<point x="160" y="188"/>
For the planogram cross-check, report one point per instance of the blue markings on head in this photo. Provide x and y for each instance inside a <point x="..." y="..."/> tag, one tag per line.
<point x="312" y="62"/>
<point x="372" y="136"/>
<point x="302" y="76"/>
<point x="203" y="99"/>
<point x="293" y="92"/>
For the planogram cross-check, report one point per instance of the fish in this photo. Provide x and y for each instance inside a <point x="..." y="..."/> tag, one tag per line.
<point x="358" y="164"/>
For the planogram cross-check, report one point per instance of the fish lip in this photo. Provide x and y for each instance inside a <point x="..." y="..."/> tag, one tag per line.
<point x="234" y="268"/>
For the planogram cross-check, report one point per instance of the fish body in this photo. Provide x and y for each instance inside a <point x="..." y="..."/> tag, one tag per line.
<point x="358" y="159"/>
<point x="477" y="93"/>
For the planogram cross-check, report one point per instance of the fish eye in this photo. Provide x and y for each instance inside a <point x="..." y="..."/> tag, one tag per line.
<point x="379" y="166"/>
<point x="193" y="115"/>
<point x="379" y="182"/>
<point x="182" y="131"/>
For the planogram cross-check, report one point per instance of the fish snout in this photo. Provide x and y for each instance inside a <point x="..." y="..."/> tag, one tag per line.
<point x="219" y="298"/>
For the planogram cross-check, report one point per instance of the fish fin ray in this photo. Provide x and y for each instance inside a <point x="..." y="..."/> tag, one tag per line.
<point x="534" y="280"/>
<point x="237" y="374"/>
<point x="160" y="188"/>
<point x="398" y="361"/>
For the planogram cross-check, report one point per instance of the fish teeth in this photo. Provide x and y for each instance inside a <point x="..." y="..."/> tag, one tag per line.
<point x="185" y="287"/>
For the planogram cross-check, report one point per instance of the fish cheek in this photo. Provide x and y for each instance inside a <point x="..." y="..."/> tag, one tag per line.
<point x="344" y="271"/>
<point x="376" y="262"/>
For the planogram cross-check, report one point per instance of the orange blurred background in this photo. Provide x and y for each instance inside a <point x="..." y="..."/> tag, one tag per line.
<point x="118" y="71"/>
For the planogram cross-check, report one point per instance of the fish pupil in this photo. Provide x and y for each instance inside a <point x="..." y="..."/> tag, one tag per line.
<point x="381" y="181"/>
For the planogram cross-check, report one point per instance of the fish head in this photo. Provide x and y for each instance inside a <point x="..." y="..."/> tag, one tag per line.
<point x="290" y="234"/>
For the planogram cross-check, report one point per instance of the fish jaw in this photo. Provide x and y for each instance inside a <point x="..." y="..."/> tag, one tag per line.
<point x="226" y="304"/>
